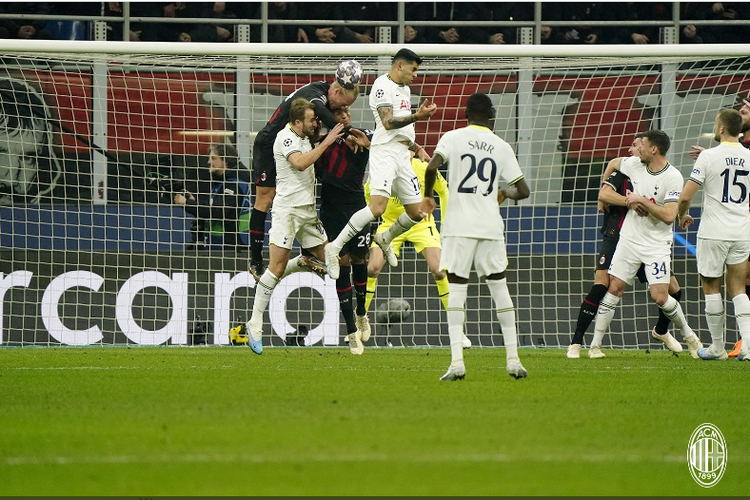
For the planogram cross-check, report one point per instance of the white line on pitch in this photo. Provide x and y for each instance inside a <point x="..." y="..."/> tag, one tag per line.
<point x="377" y="457"/>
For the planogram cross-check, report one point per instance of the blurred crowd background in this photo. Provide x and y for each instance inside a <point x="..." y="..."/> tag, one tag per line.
<point x="391" y="22"/>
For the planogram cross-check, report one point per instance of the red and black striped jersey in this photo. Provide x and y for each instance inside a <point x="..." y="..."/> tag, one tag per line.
<point x="342" y="173"/>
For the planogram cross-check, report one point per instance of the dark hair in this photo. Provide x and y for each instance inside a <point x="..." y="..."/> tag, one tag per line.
<point x="479" y="107"/>
<point x="406" y="55"/>
<point x="298" y="108"/>
<point x="659" y="139"/>
<point x="732" y="121"/>
<point x="226" y="152"/>
<point x="639" y="135"/>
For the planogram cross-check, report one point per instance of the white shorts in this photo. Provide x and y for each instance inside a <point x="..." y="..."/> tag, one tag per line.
<point x="628" y="257"/>
<point x="391" y="172"/>
<point x="301" y="223"/>
<point x="488" y="256"/>
<point x="713" y="255"/>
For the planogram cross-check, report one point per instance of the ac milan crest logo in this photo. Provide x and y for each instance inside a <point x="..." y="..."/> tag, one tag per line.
<point x="707" y="455"/>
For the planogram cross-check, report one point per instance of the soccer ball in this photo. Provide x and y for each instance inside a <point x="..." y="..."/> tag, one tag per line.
<point x="349" y="73"/>
<point x="393" y="311"/>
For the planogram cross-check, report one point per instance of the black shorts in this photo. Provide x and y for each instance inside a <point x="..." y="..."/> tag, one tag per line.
<point x="336" y="218"/>
<point x="264" y="165"/>
<point x="604" y="258"/>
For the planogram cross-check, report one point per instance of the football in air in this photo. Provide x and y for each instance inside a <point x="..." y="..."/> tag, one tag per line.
<point x="349" y="73"/>
<point x="393" y="311"/>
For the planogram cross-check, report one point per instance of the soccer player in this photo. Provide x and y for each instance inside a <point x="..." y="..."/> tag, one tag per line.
<point x="390" y="168"/>
<point x="743" y="106"/>
<point x="294" y="214"/>
<point x="325" y="96"/>
<point x="612" y="203"/>
<point x="477" y="160"/>
<point x="341" y="170"/>
<point x="724" y="232"/>
<point x="424" y="236"/>
<point x="646" y="239"/>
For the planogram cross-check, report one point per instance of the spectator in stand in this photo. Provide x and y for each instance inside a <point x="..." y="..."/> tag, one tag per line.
<point x="370" y="11"/>
<point x="235" y="10"/>
<point x="20" y="28"/>
<point x="635" y="11"/>
<point x="330" y="11"/>
<point x="550" y="35"/>
<point x="451" y="13"/>
<point x="192" y="32"/>
<point x="289" y="33"/>
<point x="415" y="11"/>
<point x="578" y="13"/>
<point x="689" y="34"/>
<point x="139" y="32"/>
<point x="720" y="11"/>
<point x="508" y="11"/>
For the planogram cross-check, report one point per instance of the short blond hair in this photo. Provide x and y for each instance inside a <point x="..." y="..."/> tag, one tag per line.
<point x="354" y="91"/>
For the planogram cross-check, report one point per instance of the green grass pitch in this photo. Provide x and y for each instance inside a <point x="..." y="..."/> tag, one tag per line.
<point x="318" y="421"/>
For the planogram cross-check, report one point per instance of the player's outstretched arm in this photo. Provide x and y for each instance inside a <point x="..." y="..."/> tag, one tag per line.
<point x="390" y="122"/>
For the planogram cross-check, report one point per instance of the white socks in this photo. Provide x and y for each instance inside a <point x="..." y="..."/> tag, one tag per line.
<point x="506" y="315"/>
<point x="455" y="313"/>
<point x="604" y="317"/>
<point x="263" y="290"/>
<point x="715" y="319"/>
<point x="674" y="312"/>
<point x="292" y="267"/>
<point x="742" y="313"/>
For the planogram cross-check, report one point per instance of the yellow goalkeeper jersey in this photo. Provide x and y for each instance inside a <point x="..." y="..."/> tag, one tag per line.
<point x="395" y="208"/>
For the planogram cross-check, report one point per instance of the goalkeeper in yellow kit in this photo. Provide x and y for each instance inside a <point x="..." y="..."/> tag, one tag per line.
<point x="424" y="236"/>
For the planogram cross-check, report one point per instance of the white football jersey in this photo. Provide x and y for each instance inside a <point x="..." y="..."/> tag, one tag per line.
<point x="477" y="161"/>
<point x="294" y="188"/>
<point x="386" y="92"/>
<point x="660" y="187"/>
<point x="724" y="173"/>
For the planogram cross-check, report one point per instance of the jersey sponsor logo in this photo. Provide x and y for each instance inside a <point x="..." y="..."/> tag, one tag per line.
<point x="405" y="104"/>
<point x="674" y="194"/>
<point x="228" y="191"/>
<point x="696" y="171"/>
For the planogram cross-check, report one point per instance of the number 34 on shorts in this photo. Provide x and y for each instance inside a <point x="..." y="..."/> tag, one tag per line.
<point x="657" y="269"/>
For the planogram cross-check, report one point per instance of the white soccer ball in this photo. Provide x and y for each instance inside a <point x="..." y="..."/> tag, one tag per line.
<point x="349" y="73"/>
<point x="393" y="311"/>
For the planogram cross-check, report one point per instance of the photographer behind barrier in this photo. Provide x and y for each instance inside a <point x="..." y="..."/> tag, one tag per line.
<point x="222" y="215"/>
